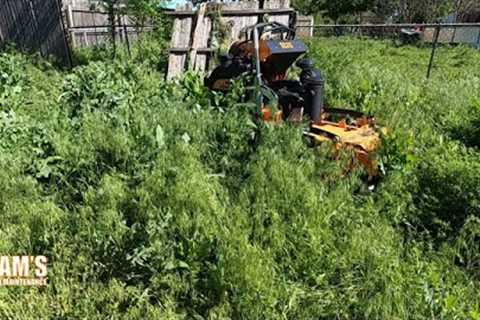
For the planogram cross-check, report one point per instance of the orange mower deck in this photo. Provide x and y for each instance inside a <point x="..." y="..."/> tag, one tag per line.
<point x="360" y="137"/>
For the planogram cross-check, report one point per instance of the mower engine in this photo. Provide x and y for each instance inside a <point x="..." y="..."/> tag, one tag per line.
<point x="276" y="56"/>
<point x="268" y="51"/>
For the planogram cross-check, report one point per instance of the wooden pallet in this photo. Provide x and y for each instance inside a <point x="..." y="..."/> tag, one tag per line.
<point x="193" y="39"/>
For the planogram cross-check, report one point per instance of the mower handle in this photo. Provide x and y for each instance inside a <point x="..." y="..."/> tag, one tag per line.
<point x="276" y="27"/>
<point x="257" y="31"/>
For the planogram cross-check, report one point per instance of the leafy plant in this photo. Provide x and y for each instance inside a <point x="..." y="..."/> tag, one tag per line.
<point x="164" y="200"/>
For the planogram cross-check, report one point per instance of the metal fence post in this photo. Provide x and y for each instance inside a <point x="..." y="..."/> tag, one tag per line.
<point x="434" y="48"/>
<point x="478" y="39"/>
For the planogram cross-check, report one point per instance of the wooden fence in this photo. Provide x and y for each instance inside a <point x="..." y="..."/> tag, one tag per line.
<point x="35" y="25"/>
<point x="92" y="27"/>
<point x="303" y="26"/>
<point x="195" y="33"/>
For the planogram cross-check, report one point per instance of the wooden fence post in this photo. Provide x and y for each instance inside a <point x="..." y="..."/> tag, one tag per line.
<point x="70" y="24"/>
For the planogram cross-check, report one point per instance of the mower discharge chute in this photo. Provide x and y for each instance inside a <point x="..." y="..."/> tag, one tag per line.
<point x="268" y="51"/>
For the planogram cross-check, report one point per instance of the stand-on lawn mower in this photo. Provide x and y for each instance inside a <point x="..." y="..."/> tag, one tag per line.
<point x="268" y="51"/>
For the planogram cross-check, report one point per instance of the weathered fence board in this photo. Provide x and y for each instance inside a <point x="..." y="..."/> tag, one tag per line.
<point x="237" y="23"/>
<point x="277" y="4"/>
<point x="77" y="3"/>
<point x="182" y="27"/>
<point x="304" y="29"/>
<point x="35" y="25"/>
<point x="93" y="27"/>
<point x="87" y="17"/>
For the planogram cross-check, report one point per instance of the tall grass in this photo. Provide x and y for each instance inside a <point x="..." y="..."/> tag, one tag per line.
<point x="161" y="200"/>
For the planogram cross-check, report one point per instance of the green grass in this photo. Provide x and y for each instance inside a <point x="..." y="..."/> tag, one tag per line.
<point x="158" y="200"/>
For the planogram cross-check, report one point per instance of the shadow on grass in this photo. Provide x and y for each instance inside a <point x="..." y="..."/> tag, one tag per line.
<point x="468" y="134"/>
<point x="446" y="198"/>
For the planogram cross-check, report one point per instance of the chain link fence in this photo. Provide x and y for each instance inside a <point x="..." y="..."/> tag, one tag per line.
<point x="401" y="34"/>
<point x="458" y="33"/>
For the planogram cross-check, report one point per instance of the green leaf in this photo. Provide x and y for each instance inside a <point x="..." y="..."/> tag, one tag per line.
<point x="183" y="265"/>
<point x="160" y="136"/>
